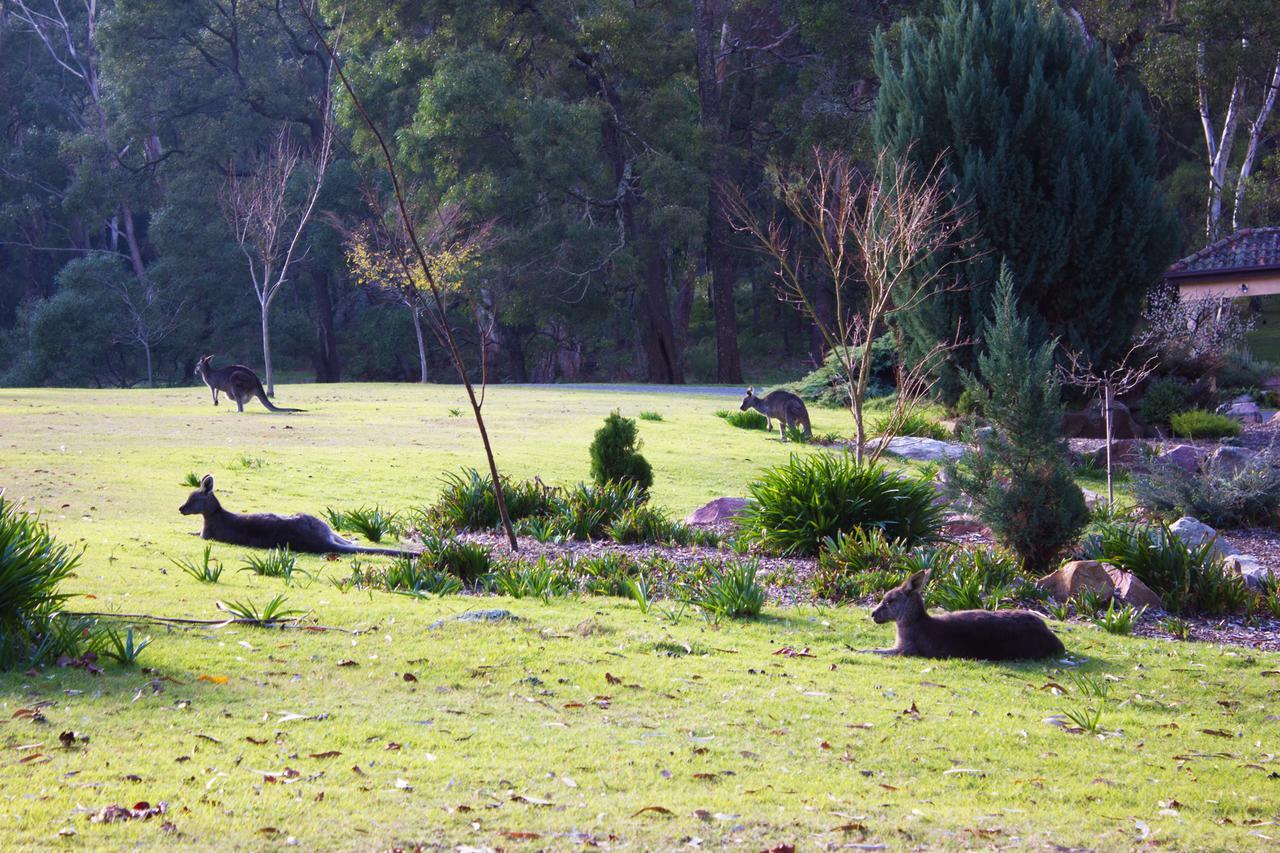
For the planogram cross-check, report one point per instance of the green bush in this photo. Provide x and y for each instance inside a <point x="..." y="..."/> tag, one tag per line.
<point x="1217" y="496"/>
<point x="1197" y="423"/>
<point x="858" y="563"/>
<point x="809" y="499"/>
<point x="915" y="424"/>
<point x="1187" y="578"/>
<point x="32" y="566"/>
<point x="827" y="386"/>
<point x="1240" y="369"/>
<point x="543" y="579"/>
<point x="749" y="419"/>
<point x="610" y="573"/>
<point x="615" y="454"/>
<point x="969" y="405"/>
<point x="467" y="501"/>
<point x="973" y="579"/>
<point x="726" y="590"/>
<point x="588" y="511"/>
<point x="1164" y="399"/>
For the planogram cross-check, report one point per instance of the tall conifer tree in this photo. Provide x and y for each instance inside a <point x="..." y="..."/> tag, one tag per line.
<point x="1054" y="159"/>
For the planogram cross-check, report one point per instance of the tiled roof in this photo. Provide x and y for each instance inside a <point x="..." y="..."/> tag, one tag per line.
<point x="1248" y="248"/>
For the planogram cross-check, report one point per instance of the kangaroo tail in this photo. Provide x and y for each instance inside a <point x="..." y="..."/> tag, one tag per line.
<point x="272" y="407"/>
<point x="387" y="552"/>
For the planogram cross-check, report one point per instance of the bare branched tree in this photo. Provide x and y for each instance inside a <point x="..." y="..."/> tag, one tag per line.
<point x="873" y="241"/>
<point x="152" y="316"/>
<point x="266" y="225"/>
<point x="433" y="288"/>
<point x="1130" y="371"/>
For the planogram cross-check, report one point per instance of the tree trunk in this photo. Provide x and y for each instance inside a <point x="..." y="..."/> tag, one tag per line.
<point x="719" y="259"/>
<point x="267" y="373"/>
<point x="658" y="332"/>
<point x="422" y="344"/>
<point x="146" y="348"/>
<point x="328" y="364"/>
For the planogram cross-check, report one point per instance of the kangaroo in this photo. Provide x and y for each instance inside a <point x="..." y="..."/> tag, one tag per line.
<point x="785" y="407"/>
<point x="239" y="382"/>
<point x="980" y="634"/>
<point x="304" y="533"/>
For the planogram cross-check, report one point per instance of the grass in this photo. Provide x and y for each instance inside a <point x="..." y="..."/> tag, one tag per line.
<point x="585" y="716"/>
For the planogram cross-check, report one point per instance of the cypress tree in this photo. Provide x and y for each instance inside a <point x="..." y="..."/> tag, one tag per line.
<point x="1051" y="158"/>
<point x="1018" y="478"/>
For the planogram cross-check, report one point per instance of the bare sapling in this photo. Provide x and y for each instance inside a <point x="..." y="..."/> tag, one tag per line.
<point x="428" y="277"/>
<point x="1130" y="371"/>
<point x="874" y="241"/>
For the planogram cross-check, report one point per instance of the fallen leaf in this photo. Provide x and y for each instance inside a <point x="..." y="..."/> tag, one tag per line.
<point x="409" y="676"/>
<point x="34" y="758"/>
<point x="610" y="678"/>
<point x="70" y="739"/>
<point x="392" y="745"/>
<point x="531" y="801"/>
<point x="253" y="739"/>
<point x="851" y="827"/>
<point x="517" y="835"/>
<point x="140" y="811"/>
<point x="209" y="738"/>
<point x="213" y="679"/>
<point x="788" y="652"/>
<point x="347" y="663"/>
<point x="1217" y="733"/>
<point x="656" y="809"/>
<point x="333" y="753"/>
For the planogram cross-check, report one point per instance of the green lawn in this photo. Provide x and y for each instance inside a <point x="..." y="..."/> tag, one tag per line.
<point x="585" y="721"/>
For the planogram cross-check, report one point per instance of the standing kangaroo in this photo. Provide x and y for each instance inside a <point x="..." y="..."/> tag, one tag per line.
<point x="239" y="382"/>
<point x="303" y="533"/>
<point x="980" y="634"/>
<point x="783" y="406"/>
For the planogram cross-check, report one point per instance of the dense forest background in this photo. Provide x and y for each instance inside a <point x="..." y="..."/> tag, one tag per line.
<point x="584" y="141"/>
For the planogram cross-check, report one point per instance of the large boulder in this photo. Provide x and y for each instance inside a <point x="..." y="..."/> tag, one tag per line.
<point x="717" y="511"/>
<point x="1092" y="423"/>
<point x="1230" y="461"/>
<point x="1126" y="453"/>
<point x="924" y="449"/>
<point x="1130" y="589"/>
<point x="1196" y="533"/>
<point x="1250" y="568"/>
<point x="1075" y="576"/>
<point x="1184" y="456"/>
<point x="1242" y="409"/>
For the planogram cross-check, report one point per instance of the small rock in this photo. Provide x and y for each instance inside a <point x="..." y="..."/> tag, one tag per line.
<point x="1184" y="456"/>
<point x="1091" y="499"/>
<point x="1244" y="410"/>
<point x="476" y="616"/>
<point x="717" y="511"/>
<point x="1125" y="453"/>
<point x="1230" y="460"/>
<point x="963" y="525"/>
<point x="1248" y="567"/>
<point x="1067" y="581"/>
<point x="1130" y="589"/>
<point x="1195" y="533"/>
<point x="924" y="449"/>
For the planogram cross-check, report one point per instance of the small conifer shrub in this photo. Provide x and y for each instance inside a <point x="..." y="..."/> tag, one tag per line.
<point x="615" y="454"/>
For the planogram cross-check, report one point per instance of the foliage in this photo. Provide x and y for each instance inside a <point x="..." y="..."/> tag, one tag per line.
<point x="1188" y="578"/>
<point x="914" y="424"/>
<point x="544" y="579"/>
<point x="261" y="616"/>
<point x="750" y="419"/>
<point x="276" y="563"/>
<point x="1118" y="620"/>
<point x="204" y="571"/>
<point x="1217" y="495"/>
<point x="372" y="523"/>
<point x="1198" y="423"/>
<point x="972" y="578"/>
<point x="1018" y="477"/>
<point x="417" y="576"/>
<point x="1032" y="90"/>
<point x="615" y="454"/>
<point x="32" y="567"/>
<point x="467" y="502"/>
<point x="858" y="563"/>
<point x="1193" y="336"/>
<point x="655" y="417"/>
<point x="727" y="589"/>
<point x="826" y="385"/>
<point x="1162" y="400"/>
<point x="611" y="573"/>
<point x="123" y="650"/>
<point x="811" y="498"/>
<point x="467" y="561"/>
<point x="587" y="511"/>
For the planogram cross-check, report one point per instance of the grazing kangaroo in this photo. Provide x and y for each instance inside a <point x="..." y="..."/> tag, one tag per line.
<point x="980" y="634"/>
<point x="783" y="406"/>
<point x="303" y="533"/>
<point x="239" y="382"/>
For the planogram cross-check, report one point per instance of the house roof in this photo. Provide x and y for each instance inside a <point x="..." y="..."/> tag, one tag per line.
<point x="1247" y="249"/>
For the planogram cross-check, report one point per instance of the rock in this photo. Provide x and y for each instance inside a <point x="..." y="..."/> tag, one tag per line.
<point x="1184" y="456"/>
<point x="1194" y="533"/>
<point x="1091" y="499"/>
<point x="924" y="449"/>
<point x="1248" y="567"/>
<point x="1067" y="581"/>
<point x="1230" y="460"/>
<point x="963" y="525"/>
<point x="717" y="511"/>
<point x="1130" y="589"/>
<point x="1242" y="409"/>
<point x="1092" y="423"/>
<point x="1125" y="453"/>
<point x="476" y="616"/>
<point x="983" y="433"/>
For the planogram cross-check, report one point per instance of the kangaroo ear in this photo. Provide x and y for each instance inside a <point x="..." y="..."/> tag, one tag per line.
<point x="206" y="485"/>
<point x="751" y="390"/>
<point x="916" y="582"/>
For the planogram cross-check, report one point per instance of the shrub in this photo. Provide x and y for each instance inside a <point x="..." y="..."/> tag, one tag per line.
<point x="416" y="576"/>
<point x="647" y="524"/>
<point x="727" y="589"/>
<point x="1118" y="620"/>
<point x="276" y="563"/>
<point x="372" y="523"/>
<point x="545" y="580"/>
<point x="611" y="573"/>
<point x="656" y="417"/>
<point x="807" y="500"/>
<point x="856" y="564"/>
<point x="968" y="405"/>
<point x="1018" y="478"/>
<point x="467" y="561"/>
<point x="32" y="565"/>
<point x="467" y="501"/>
<point x="615" y="454"/>
<point x="1164" y="399"/>
<point x="1197" y="423"/>
<point x="587" y="511"/>
<point x="827" y="385"/>
<point x="971" y="579"/>
<point x="1186" y="577"/>
<point x="1215" y="495"/>
<point x="749" y="419"/>
<point x="207" y="570"/>
<point x="914" y="424"/>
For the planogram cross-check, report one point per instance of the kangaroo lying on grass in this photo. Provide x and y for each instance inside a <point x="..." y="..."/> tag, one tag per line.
<point x="783" y="406"/>
<point x="303" y="533"/>
<point x="239" y="382"/>
<point x="980" y="634"/>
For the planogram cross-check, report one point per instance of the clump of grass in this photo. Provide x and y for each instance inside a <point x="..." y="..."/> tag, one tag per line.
<point x="191" y="479"/>
<point x="206" y="570"/>
<point x="1198" y="423"/>
<point x="726" y="590"/>
<point x="1059" y="610"/>
<point x="1093" y="691"/>
<point x="651" y="416"/>
<point x="915" y="424"/>
<point x="1118" y="620"/>
<point x="467" y="501"/>
<point x="276" y="563"/>
<point x="32" y="567"/>
<point x="1090" y="602"/>
<point x="610" y="573"/>
<point x="972" y="579"/>
<point x="373" y="523"/>
<point x="262" y="616"/>
<point x="543" y="579"/>
<point x="248" y="463"/>
<point x="1177" y="627"/>
<point x="418" y="577"/>
<point x="744" y="420"/>
<point x="858" y="563"/>
<point x="122" y="649"/>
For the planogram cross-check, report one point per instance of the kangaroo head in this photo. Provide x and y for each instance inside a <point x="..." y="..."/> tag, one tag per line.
<point x="903" y="601"/>
<point x="749" y="399"/>
<point x="203" y="365"/>
<point x="201" y="501"/>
